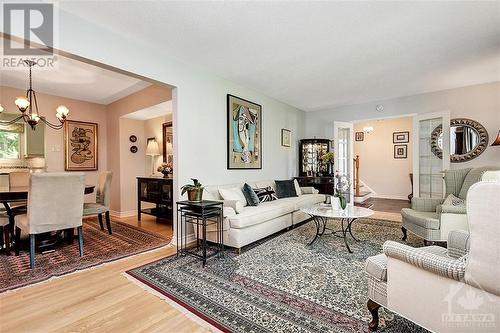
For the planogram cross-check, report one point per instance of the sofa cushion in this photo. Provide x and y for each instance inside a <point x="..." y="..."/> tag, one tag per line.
<point x="265" y="194"/>
<point x="266" y="211"/>
<point x="252" y="198"/>
<point x="305" y="200"/>
<point x="233" y="194"/>
<point x="285" y="188"/>
<point x="298" y="191"/>
<point x="428" y="220"/>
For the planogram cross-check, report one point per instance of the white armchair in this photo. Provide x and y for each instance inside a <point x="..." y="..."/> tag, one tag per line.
<point x="445" y="290"/>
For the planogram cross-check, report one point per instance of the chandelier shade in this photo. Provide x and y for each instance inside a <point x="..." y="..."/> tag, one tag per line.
<point x="28" y="107"/>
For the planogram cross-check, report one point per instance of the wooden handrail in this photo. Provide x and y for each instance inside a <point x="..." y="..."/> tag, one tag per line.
<point x="356" y="175"/>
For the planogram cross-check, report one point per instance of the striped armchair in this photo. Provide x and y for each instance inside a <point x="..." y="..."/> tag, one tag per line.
<point x="452" y="289"/>
<point x="431" y="218"/>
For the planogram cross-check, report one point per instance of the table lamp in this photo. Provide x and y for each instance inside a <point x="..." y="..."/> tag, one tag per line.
<point x="152" y="150"/>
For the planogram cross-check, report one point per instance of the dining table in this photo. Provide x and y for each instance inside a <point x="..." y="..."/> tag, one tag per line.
<point x="15" y="194"/>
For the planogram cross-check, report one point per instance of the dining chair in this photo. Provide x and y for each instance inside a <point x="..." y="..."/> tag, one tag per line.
<point x="19" y="179"/>
<point x="4" y="230"/>
<point x="55" y="202"/>
<point x="101" y="206"/>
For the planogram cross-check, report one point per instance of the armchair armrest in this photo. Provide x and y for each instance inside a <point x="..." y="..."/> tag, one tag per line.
<point x="458" y="243"/>
<point x="425" y="204"/>
<point x="309" y="190"/>
<point x="450" y="209"/>
<point x="444" y="266"/>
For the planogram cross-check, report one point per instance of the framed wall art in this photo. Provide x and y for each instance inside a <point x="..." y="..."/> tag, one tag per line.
<point x="286" y="137"/>
<point x="400" y="137"/>
<point x="360" y="136"/>
<point x="400" y="151"/>
<point x="80" y="146"/>
<point x="168" y="140"/>
<point x="244" y="134"/>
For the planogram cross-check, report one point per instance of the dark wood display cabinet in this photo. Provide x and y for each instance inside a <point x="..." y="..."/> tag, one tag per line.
<point x="312" y="172"/>
<point x="158" y="191"/>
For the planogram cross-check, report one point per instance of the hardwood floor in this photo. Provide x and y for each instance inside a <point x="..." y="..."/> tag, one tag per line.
<point x="149" y="222"/>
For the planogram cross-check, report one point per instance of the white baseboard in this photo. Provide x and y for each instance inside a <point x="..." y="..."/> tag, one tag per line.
<point x="128" y="213"/>
<point x="394" y="197"/>
<point x="189" y="238"/>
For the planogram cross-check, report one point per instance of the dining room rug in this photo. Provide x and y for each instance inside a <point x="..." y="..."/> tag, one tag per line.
<point x="99" y="248"/>
<point x="280" y="284"/>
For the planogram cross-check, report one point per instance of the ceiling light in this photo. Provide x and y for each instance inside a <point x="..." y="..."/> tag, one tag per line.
<point x="28" y="107"/>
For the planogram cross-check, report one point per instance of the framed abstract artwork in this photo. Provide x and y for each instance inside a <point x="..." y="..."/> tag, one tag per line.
<point x="400" y="151"/>
<point x="80" y="146"/>
<point x="244" y="134"/>
<point x="286" y="137"/>
<point x="359" y="136"/>
<point x="400" y="137"/>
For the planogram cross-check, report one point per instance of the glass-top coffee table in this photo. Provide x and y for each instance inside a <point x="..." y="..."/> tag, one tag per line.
<point x="321" y="213"/>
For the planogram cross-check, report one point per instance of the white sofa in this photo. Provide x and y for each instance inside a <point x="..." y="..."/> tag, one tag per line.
<point x="256" y="222"/>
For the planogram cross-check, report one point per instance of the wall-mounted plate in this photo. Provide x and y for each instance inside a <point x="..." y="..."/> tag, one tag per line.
<point x="132" y="138"/>
<point x="133" y="149"/>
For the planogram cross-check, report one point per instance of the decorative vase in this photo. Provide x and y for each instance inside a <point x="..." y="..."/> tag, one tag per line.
<point x="165" y="174"/>
<point x="195" y="194"/>
<point x="335" y="202"/>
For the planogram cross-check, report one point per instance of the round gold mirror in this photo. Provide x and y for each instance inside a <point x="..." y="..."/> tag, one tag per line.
<point x="468" y="140"/>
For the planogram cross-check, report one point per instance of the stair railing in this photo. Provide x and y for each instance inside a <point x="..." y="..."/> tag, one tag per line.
<point x="356" y="175"/>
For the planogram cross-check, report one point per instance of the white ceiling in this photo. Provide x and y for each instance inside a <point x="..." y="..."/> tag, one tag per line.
<point x="75" y="79"/>
<point x="318" y="55"/>
<point x="151" y="112"/>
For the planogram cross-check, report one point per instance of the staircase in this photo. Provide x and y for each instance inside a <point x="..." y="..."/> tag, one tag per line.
<point x="361" y="191"/>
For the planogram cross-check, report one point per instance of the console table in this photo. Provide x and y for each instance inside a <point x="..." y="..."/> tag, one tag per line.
<point x="158" y="191"/>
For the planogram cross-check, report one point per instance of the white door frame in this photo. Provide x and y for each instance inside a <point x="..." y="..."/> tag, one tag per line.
<point x="350" y="152"/>
<point x="445" y="115"/>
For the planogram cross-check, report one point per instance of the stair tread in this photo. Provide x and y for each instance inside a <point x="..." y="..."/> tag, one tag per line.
<point x="362" y="193"/>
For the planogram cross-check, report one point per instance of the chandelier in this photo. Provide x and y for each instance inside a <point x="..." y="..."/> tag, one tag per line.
<point x="29" y="108"/>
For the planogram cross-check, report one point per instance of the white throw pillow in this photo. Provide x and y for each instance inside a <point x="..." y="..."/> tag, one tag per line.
<point x="298" y="191"/>
<point x="452" y="200"/>
<point x="234" y="193"/>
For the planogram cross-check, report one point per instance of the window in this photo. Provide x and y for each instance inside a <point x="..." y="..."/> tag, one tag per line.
<point x="10" y="145"/>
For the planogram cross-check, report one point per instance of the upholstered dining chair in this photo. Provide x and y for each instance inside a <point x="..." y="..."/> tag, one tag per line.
<point x="19" y="179"/>
<point x="4" y="230"/>
<point x="55" y="202"/>
<point x="101" y="206"/>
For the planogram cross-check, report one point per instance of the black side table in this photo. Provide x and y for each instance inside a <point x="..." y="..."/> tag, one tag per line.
<point x="200" y="214"/>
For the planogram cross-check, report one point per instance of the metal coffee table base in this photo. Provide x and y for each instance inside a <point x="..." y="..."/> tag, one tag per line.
<point x="346" y="227"/>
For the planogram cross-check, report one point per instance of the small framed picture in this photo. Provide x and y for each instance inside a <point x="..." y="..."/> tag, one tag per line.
<point x="286" y="137"/>
<point x="400" y="137"/>
<point x="360" y="136"/>
<point x="400" y="151"/>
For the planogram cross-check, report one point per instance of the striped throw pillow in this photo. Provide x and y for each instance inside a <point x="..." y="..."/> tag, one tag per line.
<point x="265" y="194"/>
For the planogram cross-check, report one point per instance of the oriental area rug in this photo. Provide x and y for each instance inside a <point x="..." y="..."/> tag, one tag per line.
<point x="99" y="248"/>
<point x="281" y="284"/>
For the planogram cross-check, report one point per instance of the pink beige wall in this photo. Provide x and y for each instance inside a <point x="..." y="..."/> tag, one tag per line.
<point x="54" y="139"/>
<point x="387" y="176"/>
<point x="119" y="166"/>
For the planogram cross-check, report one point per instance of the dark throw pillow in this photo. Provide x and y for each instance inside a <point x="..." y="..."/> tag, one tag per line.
<point x="265" y="194"/>
<point x="252" y="198"/>
<point x="285" y="189"/>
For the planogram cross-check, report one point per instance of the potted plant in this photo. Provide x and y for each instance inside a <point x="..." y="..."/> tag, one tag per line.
<point x="327" y="160"/>
<point x="194" y="191"/>
<point x="165" y="169"/>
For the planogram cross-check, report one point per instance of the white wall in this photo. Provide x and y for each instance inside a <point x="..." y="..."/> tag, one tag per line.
<point x="200" y="101"/>
<point x="154" y="128"/>
<point x="384" y="174"/>
<point x="479" y="102"/>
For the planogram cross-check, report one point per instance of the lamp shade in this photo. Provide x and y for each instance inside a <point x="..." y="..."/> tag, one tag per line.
<point x="152" y="149"/>
<point x="497" y="140"/>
